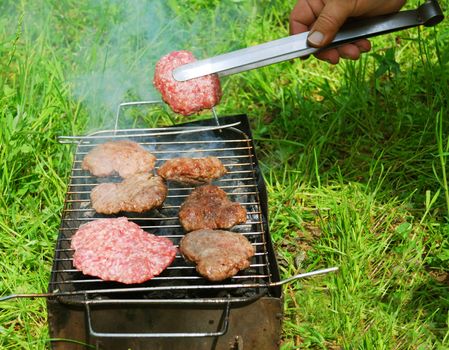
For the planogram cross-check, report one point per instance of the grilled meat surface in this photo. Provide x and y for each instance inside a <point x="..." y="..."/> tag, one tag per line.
<point x="119" y="250"/>
<point x="185" y="97"/>
<point x="192" y="170"/>
<point x="123" y="157"/>
<point x="209" y="207"/>
<point x="138" y="193"/>
<point x="218" y="254"/>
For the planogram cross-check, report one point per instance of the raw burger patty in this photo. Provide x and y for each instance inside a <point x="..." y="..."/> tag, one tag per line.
<point x="192" y="170"/>
<point x="119" y="250"/>
<point x="138" y="193"/>
<point x="209" y="207"/>
<point x="218" y="254"/>
<point x="124" y="157"/>
<point x="185" y="97"/>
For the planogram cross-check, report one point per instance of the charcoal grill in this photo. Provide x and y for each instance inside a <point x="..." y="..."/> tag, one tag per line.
<point x="177" y="309"/>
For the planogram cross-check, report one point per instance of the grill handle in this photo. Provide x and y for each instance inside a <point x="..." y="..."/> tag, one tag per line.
<point x="220" y="332"/>
<point x="304" y="275"/>
<point x="124" y="105"/>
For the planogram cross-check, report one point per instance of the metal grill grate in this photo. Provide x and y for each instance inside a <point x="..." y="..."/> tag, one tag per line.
<point x="180" y="280"/>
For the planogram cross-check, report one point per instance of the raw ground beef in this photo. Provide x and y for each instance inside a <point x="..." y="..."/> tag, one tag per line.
<point x="185" y="97"/>
<point x="123" y="157"/>
<point x="119" y="250"/>
<point x="218" y="254"/>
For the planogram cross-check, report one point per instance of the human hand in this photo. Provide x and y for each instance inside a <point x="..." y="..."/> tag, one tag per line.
<point x="323" y="18"/>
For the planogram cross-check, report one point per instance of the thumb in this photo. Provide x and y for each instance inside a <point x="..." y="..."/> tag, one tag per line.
<point x="329" y="21"/>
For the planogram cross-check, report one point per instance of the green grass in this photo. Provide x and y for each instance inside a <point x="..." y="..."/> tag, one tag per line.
<point x="355" y="157"/>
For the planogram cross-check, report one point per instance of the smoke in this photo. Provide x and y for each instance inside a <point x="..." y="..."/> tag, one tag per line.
<point x="109" y="48"/>
<point x="118" y="65"/>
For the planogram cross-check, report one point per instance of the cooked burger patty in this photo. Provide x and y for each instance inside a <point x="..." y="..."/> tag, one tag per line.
<point x="123" y="157"/>
<point x="185" y="97"/>
<point x="192" y="170"/>
<point x="138" y="193"/>
<point x="218" y="254"/>
<point x="119" y="250"/>
<point x="209" y="207"/>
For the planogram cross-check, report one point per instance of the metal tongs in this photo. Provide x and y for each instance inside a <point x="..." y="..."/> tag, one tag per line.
<point x="428" y="14"/>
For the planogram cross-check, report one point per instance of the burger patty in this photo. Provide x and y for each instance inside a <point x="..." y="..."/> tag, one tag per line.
<point x="218" y="254"/>
<point x="192" y="170"/>
<point x="138" y="193"/>
<point x="185" y="97"/>
<point x="123" y="157"/>
<point x="119" y="250"/>
<point x="209" y="207"/>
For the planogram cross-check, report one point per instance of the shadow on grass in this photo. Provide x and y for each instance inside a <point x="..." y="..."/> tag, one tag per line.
<point x="377" y="129"/>
<point x="430" y="301"/>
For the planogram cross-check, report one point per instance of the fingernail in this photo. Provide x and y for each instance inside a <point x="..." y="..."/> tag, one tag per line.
<point x="315" y="38"/>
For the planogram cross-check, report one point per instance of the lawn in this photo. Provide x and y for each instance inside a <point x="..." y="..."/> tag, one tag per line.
<point x="355" y="157"/>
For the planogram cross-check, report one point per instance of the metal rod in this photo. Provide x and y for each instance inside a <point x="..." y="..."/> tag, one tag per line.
<point x="305" y="275"/>
<point x="186" y="130"/>
<point x="24" y="295"/>
<point x="214" y="113"/>
<point x="228" y="173"/>
<point x="220" y="332"/>
<point x="128" y="104"/>
<point x="168" y="143"/>
<point x="219" y="157"/>
<point x="198" y="150"/>
<point x="171" y="189"/>
<point x="172" y="288"/>
<point x="177" y="278"/>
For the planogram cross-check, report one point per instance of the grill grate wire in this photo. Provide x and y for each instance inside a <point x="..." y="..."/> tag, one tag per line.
<point x="180" y="279"/>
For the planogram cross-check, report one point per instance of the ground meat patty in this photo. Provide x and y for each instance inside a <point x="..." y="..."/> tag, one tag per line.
<point x="192" y="170"/>
<point x="218" y="254"/>
<point x="185" y="97"/>
<point x="123" y="157"/>
<point x="119" y="250"/>
<point x="138" y="193"/>
<point x="209" y="207"/>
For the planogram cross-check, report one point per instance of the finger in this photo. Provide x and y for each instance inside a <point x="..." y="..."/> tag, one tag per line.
<point x="297" y="27"/>
<point x="304" y="15"/>
<point x="330" y="55"/>
<point x="331" y="18"/>
<point x="363" y="44"/>
<point x="353" y="50"/>
<point x="349" y="51"/>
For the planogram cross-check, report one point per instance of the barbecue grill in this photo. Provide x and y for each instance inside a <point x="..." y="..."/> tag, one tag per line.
<point x="178" y="309"/>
